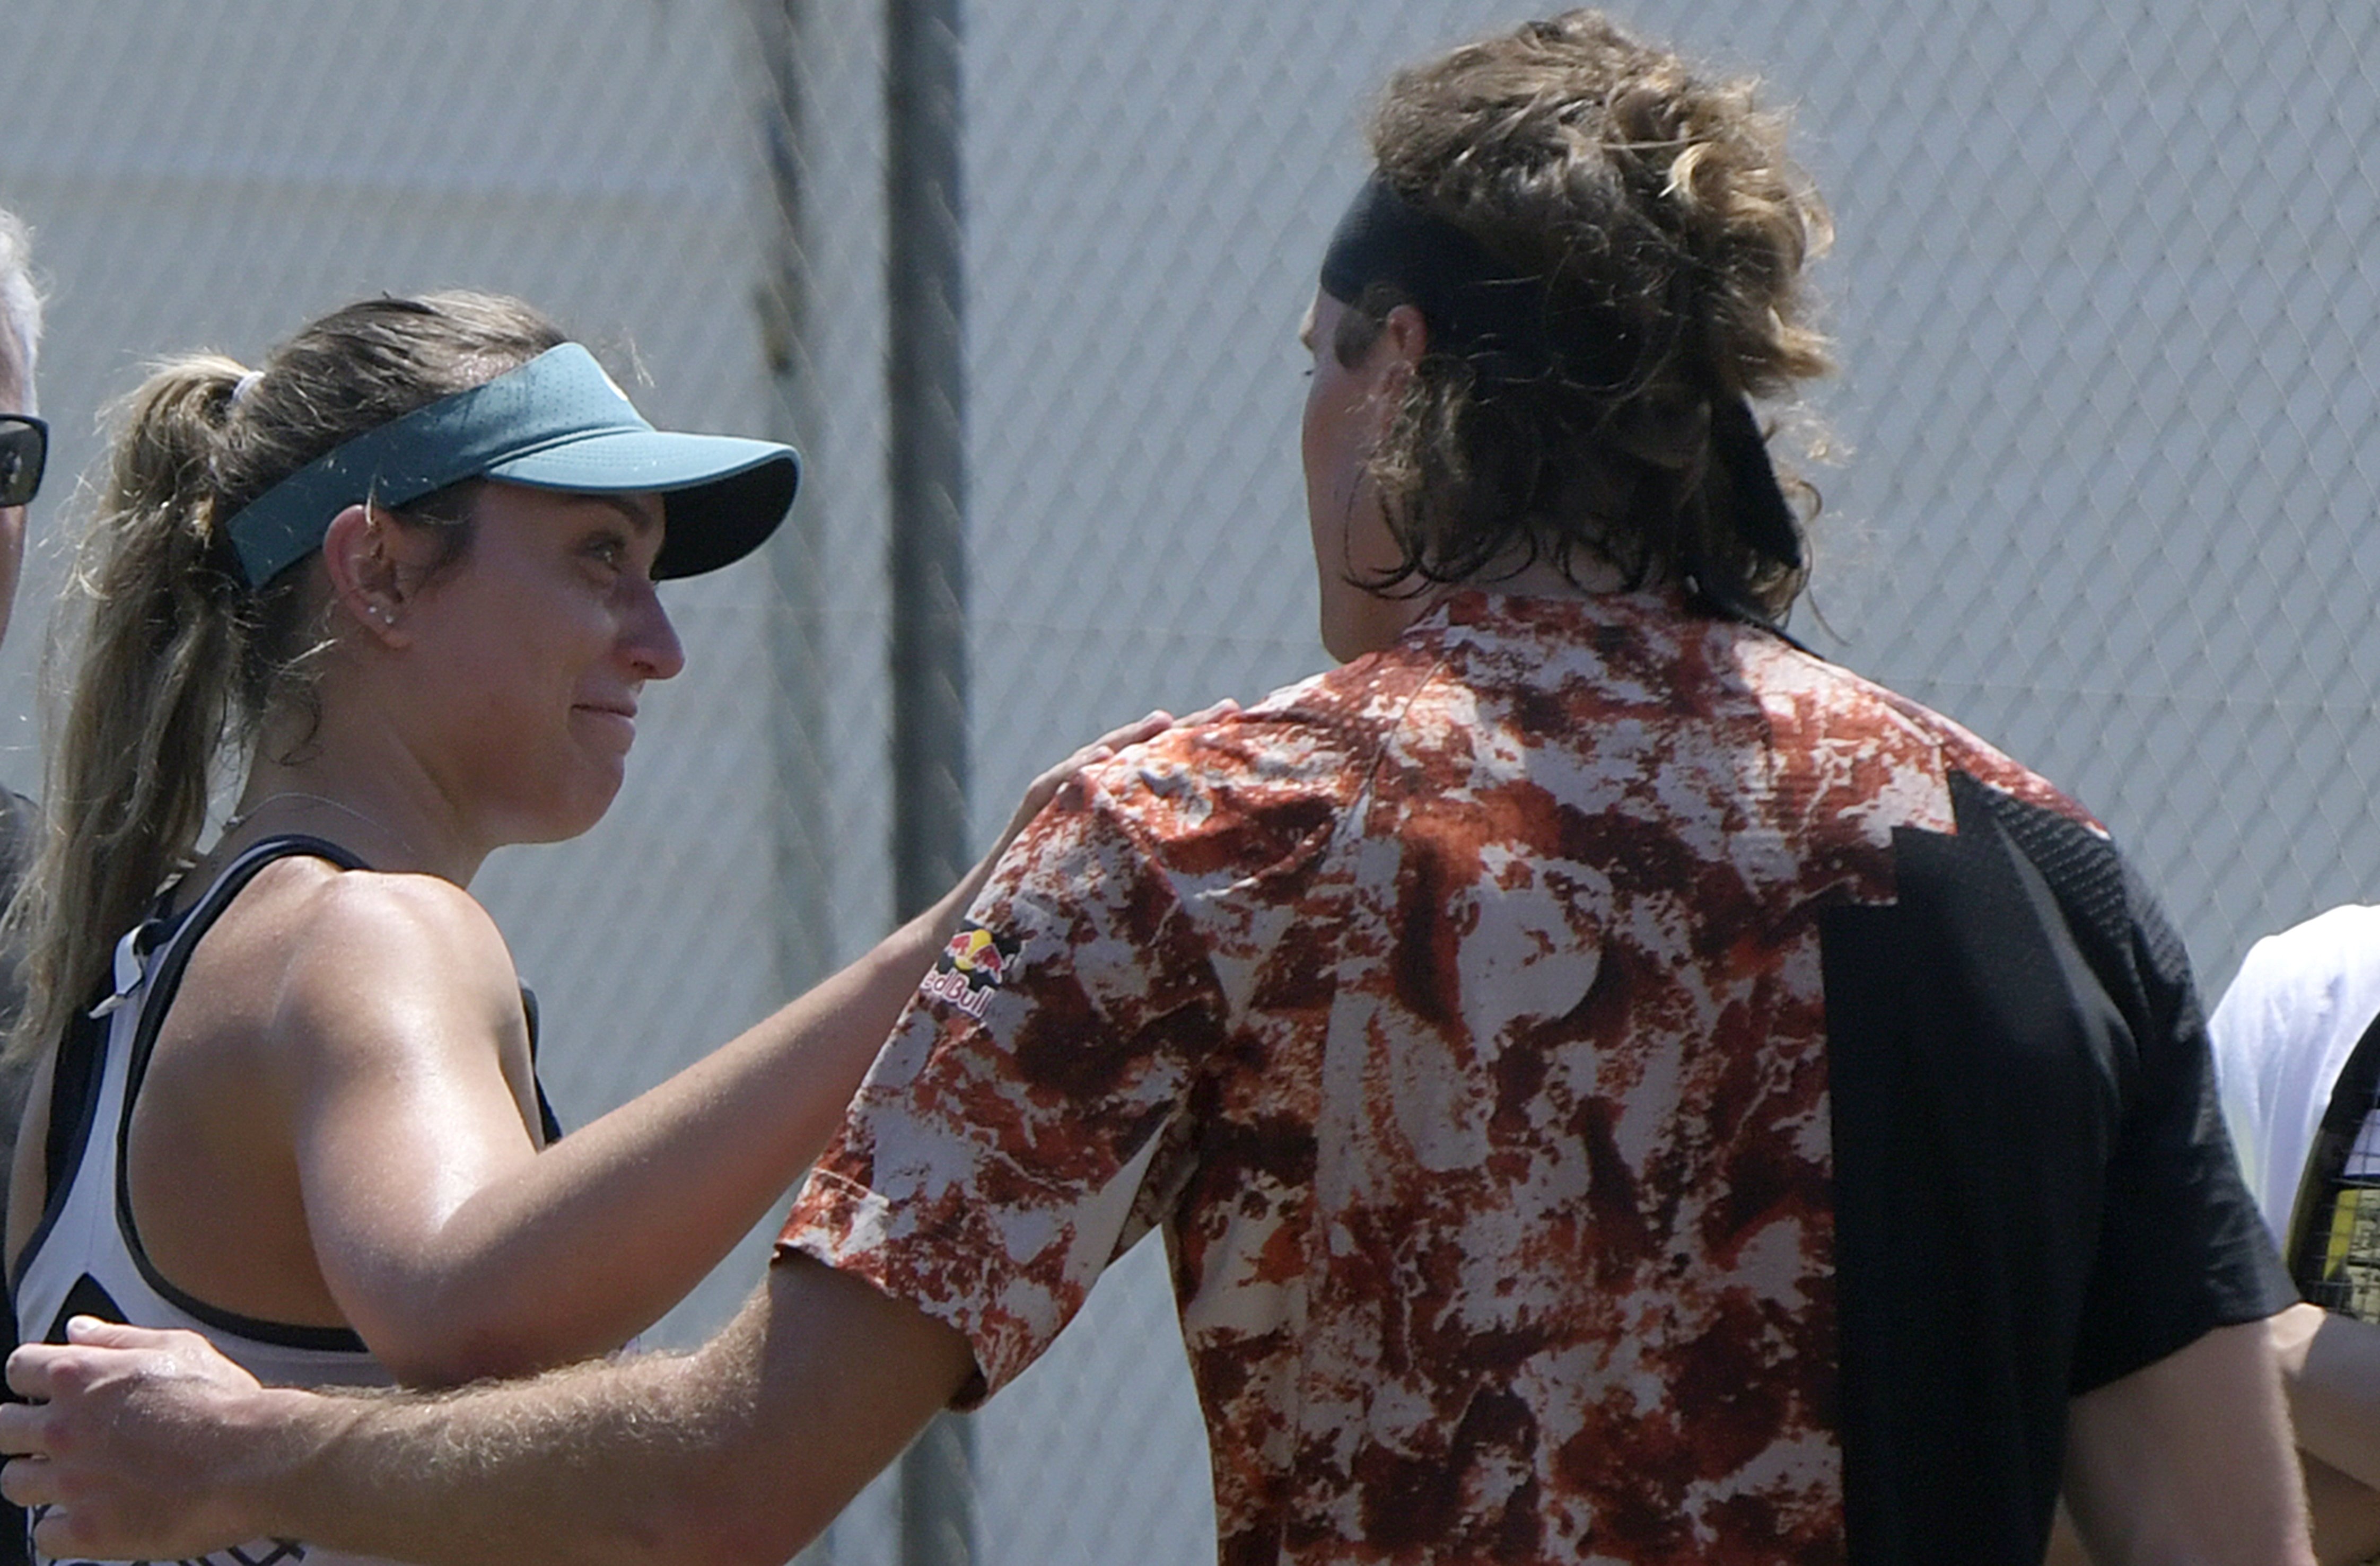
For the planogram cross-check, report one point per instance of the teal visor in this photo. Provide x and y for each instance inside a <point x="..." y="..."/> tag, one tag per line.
<point x="556" y="423"/>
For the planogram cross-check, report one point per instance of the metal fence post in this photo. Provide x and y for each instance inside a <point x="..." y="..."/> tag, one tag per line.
<point x="801" y="806"/>
<point x="926" y="393"/>
<point x="802" y="800"/>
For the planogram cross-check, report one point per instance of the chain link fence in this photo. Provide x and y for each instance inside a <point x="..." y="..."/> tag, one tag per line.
<point x="2102" y="489"/>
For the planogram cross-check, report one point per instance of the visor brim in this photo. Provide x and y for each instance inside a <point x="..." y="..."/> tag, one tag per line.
<point x="722" y="496"/>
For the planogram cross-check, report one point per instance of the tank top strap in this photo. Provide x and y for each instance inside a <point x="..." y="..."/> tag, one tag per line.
<point x="167" y="935"/>
<point x="549" y="1124"/>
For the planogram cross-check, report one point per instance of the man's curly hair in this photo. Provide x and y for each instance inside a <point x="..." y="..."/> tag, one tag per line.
<point x="1656" y="204"/>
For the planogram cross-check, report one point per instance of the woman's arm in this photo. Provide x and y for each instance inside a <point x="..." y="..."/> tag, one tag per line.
<point x="455" y="1246"/>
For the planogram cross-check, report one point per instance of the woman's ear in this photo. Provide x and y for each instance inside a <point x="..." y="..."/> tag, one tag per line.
<point x="369" y="561"/>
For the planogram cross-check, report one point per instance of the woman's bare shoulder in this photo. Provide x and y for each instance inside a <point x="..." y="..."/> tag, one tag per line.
<point x="311" y="955"/>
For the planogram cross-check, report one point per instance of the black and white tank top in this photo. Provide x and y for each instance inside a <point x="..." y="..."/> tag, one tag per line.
<point x="86" y="1257"/>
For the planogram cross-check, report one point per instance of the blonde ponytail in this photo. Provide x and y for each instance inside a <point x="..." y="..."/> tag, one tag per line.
<point x="152" y="631"/>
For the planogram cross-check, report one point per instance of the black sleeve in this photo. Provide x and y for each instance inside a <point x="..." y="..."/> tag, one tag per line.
<point x="2034" y="1194"/>
<point x="2182" y="1248"/>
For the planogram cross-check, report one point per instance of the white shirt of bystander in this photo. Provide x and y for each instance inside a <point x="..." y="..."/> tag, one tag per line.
<point x="2282" y="1035"/>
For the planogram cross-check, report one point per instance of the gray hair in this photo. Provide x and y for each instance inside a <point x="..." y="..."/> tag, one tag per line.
<point x="20" y="307"/>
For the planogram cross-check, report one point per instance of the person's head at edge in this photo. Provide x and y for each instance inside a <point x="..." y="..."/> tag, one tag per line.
<point x="21" y="341"/>
<point x="1538" y="328"/>
<point x="483" y="641"/>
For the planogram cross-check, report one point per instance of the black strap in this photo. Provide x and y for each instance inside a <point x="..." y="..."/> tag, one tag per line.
<point x="548" y="1122"/>
<point x="164" y="982"/>
<point x="73" y="1095"/>
<point x="2352" y="1098"/>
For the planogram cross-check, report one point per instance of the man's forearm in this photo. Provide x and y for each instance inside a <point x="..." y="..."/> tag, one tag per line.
<point x="742" y="1452"/>
<point x="2189" y="1460"/>
<point x="607" y="1464"/>
<point x="600" y="1463"/>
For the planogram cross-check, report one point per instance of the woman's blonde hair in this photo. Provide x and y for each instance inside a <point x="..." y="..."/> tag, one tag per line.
<point x="171" y="658"/>
<point x="1658" y="205"/>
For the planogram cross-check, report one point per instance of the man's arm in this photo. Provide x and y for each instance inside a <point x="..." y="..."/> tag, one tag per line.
<point x="2187" y="1461"/>
<point x="743" y="1451"/>
<point x="2346" y="1513"/>
<point x="2345" y="1520"/>
<point x="2331" y="1367"/>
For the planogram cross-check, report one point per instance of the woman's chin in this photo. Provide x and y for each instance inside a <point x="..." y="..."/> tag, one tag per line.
<point x="559" y="820"/>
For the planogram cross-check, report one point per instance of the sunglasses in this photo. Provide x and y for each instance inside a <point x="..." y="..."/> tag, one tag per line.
<point x="24" y="452"/>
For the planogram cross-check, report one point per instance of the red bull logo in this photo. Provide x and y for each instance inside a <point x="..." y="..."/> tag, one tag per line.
<point x="971" y="966"/>
<point x="976" y="953"/>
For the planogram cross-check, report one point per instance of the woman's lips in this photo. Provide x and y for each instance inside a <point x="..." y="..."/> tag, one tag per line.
<point x="617" y="719"/>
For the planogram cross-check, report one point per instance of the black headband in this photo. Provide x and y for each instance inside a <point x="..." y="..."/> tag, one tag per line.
<point x="1505" y="322"/>
<point x="1762" y="514"/>
<point x="1479" y="306"/>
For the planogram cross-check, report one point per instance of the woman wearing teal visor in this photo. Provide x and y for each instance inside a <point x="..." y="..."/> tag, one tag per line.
<point x="406" y="572"/>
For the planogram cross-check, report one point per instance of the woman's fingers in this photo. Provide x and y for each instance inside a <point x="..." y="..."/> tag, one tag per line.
<point x="1115" y="739"/>
<point x="1045" y="787"/>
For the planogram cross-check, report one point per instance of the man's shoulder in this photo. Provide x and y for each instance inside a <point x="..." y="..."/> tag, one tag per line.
<point x="1242" y="798"/>
<point x="1643" y="653"/>
<point x="1956" y="750"/>
<point x="1304" y="746"/>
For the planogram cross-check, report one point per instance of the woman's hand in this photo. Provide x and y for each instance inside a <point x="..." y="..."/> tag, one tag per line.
<point x="1044" y="788"/>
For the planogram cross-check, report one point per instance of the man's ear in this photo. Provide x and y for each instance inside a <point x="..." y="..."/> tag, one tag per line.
<point x="1403" y="338"/>
<point x="374" y="563"/>
<point x="1406" y="334"/>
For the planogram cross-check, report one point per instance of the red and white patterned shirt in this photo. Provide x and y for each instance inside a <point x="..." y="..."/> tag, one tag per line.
<point x="1457" y="1017"/>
